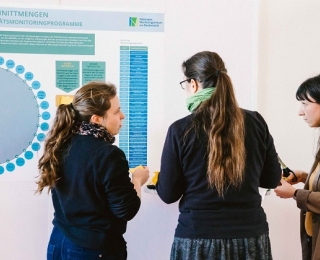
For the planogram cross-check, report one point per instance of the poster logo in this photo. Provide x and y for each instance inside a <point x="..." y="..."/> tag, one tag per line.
<point x="133" y="21"/>
<point x="144" y="22"/>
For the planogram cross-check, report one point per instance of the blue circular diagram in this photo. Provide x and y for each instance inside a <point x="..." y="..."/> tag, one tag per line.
<point x="23" y="114"/>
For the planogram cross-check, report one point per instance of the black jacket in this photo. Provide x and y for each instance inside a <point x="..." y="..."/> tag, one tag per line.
<point x="204" y="214"/>
<point x="94" y="197"/>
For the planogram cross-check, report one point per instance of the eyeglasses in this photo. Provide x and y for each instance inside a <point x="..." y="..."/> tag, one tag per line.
<point x="183" y="83"/>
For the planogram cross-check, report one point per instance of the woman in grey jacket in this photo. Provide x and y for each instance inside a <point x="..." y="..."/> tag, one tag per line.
<point x="308" y="199"/>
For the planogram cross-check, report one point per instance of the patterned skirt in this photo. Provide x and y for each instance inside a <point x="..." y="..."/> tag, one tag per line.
<point x="253" y="248"/>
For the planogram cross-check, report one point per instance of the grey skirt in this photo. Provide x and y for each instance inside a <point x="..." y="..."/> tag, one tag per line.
<point x="253" y="248"/>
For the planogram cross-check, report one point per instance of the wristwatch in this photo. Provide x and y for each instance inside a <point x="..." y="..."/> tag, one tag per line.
<point x="295" y="194"/>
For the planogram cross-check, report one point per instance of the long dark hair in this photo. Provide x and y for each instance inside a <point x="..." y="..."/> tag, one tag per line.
<point x="91" y="99"/>
<point x="221" y="119"/>
<point x="311" y="88"/>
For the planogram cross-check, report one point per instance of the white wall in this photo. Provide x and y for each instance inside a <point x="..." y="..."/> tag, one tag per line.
<point x="282" y="54"/>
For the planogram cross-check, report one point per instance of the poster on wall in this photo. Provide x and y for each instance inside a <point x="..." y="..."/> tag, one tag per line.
<point x="47" y="54"/>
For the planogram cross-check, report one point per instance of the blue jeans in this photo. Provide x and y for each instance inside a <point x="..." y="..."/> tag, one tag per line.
<point x="61" y="248"/>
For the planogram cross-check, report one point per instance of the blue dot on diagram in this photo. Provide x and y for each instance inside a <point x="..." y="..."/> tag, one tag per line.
<point x="19" y="116"/>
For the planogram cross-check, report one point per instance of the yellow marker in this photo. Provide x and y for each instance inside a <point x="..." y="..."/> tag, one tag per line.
<point x="132" y="170"/>
<point x="154" y="180"/>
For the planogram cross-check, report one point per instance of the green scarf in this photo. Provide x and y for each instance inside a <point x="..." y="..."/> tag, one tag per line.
<point x="195" y="100"/>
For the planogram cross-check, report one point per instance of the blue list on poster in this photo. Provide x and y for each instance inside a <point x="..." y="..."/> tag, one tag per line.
<point x="134" y="103"/>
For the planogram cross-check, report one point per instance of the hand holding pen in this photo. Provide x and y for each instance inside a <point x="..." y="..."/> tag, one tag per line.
<point x="299" y="176"/>
<point x="287" y="173"/>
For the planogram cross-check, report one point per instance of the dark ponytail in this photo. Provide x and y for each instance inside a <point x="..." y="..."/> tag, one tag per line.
<point x="221" y="118"/>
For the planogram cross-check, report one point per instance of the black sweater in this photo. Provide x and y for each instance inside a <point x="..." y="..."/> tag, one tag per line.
<point x="94" y="198"/>
<point x="204" y="214"/>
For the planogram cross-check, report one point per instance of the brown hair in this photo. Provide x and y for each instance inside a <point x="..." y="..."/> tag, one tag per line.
<point x="91" y="99"/>
<point x="221" y="119"/>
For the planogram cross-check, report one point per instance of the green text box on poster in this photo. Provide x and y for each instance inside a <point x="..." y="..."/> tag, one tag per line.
<point x="93" y="71"/>
<point x="67" y="75"/>
<point x="47" y="43"/>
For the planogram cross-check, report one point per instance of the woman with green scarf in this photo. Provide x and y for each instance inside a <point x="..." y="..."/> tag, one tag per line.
<point x="214" y="161"/>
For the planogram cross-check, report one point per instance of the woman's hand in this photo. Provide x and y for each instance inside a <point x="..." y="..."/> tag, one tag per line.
<point x="301" y="177"/>
<point x="141" y="175"/>
<point x="285" y="190"/>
